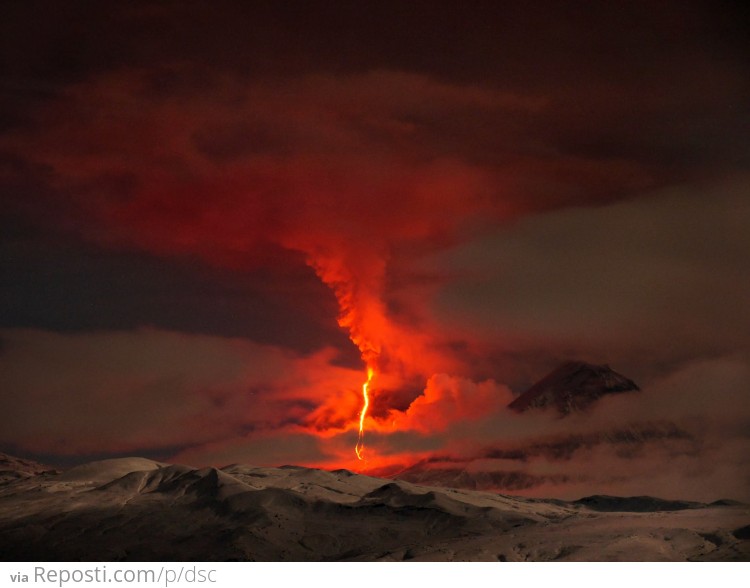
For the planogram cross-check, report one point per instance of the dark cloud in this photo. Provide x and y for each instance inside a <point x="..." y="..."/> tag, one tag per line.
<point x="642" y="284"/>
<point x="77" y="287"/>
<point x="119" y="391"/>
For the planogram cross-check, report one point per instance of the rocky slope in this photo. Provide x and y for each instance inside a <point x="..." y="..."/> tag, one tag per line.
<point x="137" y="509"/>
<point x="14" y="468"/>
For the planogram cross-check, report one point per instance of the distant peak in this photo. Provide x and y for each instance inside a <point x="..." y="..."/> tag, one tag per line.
<point x="573" y="386"/>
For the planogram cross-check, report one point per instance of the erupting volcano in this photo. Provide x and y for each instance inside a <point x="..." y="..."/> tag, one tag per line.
<point x="355" y="272"/>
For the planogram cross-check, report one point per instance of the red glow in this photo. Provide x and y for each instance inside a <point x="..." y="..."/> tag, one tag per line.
<point x="331" y="193"/>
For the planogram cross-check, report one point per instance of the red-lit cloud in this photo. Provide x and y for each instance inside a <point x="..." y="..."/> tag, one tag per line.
<point x="447" y="400"/>
<point x="337" y="169"/>
<point x="341" y="169"/>
<point x="478" y="214"/>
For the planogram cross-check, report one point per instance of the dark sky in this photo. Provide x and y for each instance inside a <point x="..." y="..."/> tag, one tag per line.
<point x="214" y="214"/>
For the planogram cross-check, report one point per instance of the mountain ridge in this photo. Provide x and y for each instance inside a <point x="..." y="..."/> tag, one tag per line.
<point x="175" y="512"/>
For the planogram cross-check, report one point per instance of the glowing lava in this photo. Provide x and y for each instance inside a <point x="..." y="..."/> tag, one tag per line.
<point x="359" y="448"/>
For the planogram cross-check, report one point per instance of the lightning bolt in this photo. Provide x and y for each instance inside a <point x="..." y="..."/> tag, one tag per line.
<point x="359" y="448"/>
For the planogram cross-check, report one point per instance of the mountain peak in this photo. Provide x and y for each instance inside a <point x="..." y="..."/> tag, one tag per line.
<point x="573" y="386"/>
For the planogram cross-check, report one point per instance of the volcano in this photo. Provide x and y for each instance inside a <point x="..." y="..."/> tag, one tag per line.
<point x="572" y="387"/>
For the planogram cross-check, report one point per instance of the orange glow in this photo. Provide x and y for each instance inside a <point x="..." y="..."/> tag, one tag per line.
<point x="359" y="448"/>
